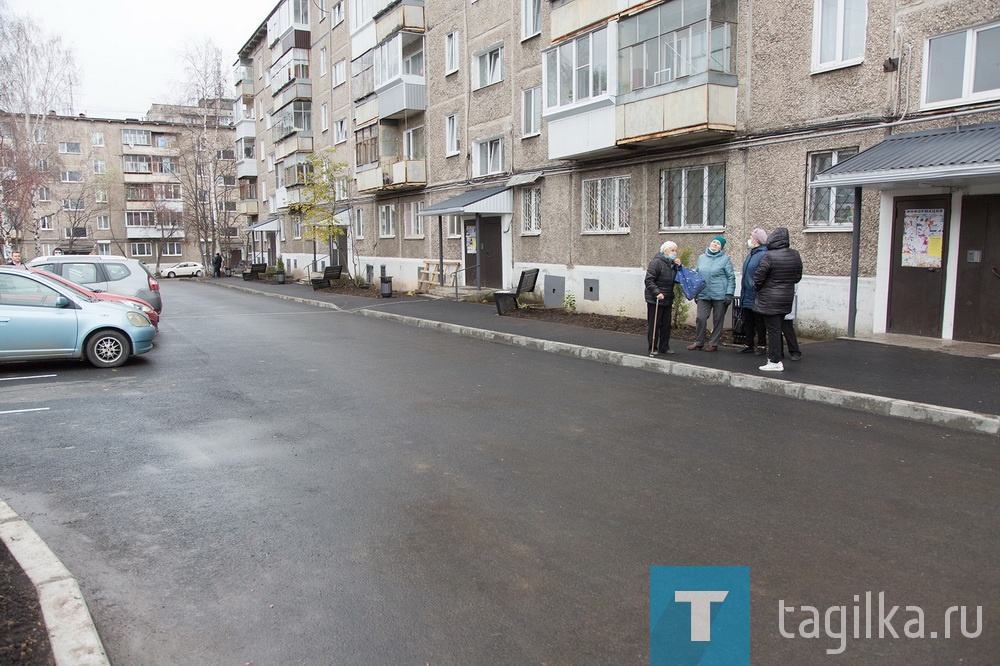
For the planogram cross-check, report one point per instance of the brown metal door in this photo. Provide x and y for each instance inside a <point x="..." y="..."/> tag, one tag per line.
<point x="977" y="291"/>
<point x="490" y="252"/>
<point x="917" y="276"/>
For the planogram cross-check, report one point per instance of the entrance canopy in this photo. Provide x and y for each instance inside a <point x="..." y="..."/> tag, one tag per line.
<point x="953" y="156"/>
<point x="274" y="224"/>
<point x="488" y="201"/>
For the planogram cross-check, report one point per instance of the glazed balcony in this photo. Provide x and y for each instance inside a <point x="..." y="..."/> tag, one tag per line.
<point x="246" y="168"/>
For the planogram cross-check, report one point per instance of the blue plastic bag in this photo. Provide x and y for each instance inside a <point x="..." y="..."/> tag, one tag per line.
<point x="691" y="282"/>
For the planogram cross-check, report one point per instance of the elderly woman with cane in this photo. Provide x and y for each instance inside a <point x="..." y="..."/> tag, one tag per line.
<point x="660" y="298"/>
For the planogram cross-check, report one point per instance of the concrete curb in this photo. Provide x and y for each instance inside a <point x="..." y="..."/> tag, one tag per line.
<point x="72" y="633"/>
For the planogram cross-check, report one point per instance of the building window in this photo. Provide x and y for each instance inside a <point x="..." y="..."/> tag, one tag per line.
<point x="226" y="155"/>
<point x="71" y="176"/>
<point x="70" y="148"/>
<point x="359" y="223"/>
<point x="72" y="204"/>
<point x="141" y="249"/>
<point x="38" y="135"/>
<point x="413" y="144"/>
<point x="97" y="139"/>
<point x="531" y="211"/>
<point x="693" y="198"/>
<point x="43" y="165"/>
<point x="172" y="249"/>
<point x="531" y="112"/>
<point x="338" y="12"/>
<point x="829" y="206"/>
<point x="963" y="66"/>
<point x="387" y="221"/>
<point x="226" y="206"/>
<point x="140" y="218"/>
<point x="577" y="70"/>
<point x="137" y="164"/>
<point x="606" y="204"/>
<point x="75" y="232"/>
<point x="339" y="72"/>
<point x="100" y="167"/>
<point x="838" y="33"/>
<point x="488" y="157"/>
<point x="103" y="248"/>
<point x="45" y="223"/>
<point x="451" y="135"/>
<point x="100" y="196"/>
<point x="489" y="67"/>
<point x="366" y="145"/>
<point x="451" y="53"/>
<point x="413" y="224"/>
<point x="44" y="194"/>
<point x="322" y="61"/>
<point x="135" y="137"/>
<point x="270" y="162"/>
<point x="340" y="131"/>
<point x="103" y="222"/>
<point x="531" y="18"/>
<point x="225" y="180"/>
<point x="454" y="226"/>
<point x="324" y="117"/>
<point x="167" y="191"/>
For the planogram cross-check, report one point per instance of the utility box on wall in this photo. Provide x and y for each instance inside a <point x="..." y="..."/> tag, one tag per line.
<point x="591" y="289"/>
<point x="555" y="291"/>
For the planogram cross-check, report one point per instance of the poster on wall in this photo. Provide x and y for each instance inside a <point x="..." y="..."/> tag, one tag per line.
<point x="923" y="237"/>
<point x="470" y="240"/>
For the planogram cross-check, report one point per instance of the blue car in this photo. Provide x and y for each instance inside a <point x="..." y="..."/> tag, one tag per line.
<point x="42" y="319"/>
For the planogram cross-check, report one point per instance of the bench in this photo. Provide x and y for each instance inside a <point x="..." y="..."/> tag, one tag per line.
<point x="330" y="273"/>
<point x="506" y="300"/>
<point x="253" y="273"/>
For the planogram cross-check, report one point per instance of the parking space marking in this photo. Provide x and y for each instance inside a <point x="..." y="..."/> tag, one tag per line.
<point x="22" y="411"/>
<point x="11" y="379"/>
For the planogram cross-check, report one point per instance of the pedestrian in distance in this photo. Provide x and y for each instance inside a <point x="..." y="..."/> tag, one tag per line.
<point x="57" y="252"/>
<point x="716" y="268"/>
<point x="752" y="325"/>
<point x="15" y="259"/>
<point x="217" y="264"/>
<point x="775" y="278"/>
<point x="659" y="294"/>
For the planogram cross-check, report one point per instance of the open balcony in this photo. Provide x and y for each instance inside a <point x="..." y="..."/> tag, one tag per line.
<point x="400" y="174"/>
<point x="248" y="207"/>
<point x="403" y="15"/>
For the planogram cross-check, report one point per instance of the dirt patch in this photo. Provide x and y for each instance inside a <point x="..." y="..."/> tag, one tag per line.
<point x="24" y="641"/>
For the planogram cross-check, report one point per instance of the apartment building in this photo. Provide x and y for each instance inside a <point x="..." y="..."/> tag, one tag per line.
<point x="575" y="136"/>
<point x="161" y="190"/>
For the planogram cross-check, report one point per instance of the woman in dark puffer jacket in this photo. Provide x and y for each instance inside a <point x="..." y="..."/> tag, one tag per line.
<point x="776" y="276"/>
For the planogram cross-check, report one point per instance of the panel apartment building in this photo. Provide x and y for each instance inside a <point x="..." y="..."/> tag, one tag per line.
<point x="575" y="136"/>
<point x="161" y="189"/>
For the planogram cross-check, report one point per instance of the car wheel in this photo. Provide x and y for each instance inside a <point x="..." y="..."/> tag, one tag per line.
<point x="198" y="273"/>
<point x="108" y="349"/>
<point x="171" y="274"/>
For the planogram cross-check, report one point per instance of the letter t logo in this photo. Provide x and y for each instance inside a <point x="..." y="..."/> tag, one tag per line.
<point x="701" y="611"/>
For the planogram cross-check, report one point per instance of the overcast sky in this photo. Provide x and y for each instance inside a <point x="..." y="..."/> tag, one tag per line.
<point x="128" y="52"/>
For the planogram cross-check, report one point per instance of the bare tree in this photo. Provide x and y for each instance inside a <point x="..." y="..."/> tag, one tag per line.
<point x="36" y="76"/>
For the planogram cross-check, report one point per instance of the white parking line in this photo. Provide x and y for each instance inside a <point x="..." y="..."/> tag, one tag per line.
<point x="22" y="411"/>
<point x="11" y="379"/>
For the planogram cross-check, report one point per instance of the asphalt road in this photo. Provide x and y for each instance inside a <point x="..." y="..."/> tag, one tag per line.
<point x="280" y="484"/>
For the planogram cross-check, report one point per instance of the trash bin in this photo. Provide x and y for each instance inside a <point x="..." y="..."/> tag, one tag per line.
<point x="385" y="290"/>
<point x="229" y="272"/>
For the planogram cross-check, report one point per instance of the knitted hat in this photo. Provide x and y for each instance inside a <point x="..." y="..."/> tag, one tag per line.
<point x="759" y="235"/>
<point x="722" y="241"/>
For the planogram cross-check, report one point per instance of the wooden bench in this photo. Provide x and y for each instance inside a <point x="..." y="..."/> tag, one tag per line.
<point x="330" y="273"/>
<point x="507" y="300"/>
<point x="253" y="273"/>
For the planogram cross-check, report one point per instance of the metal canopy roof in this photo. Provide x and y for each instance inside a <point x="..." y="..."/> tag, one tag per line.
<point x="496" y="200"/>
<point x="947" y="156"/>
<point x="267" y="225"/>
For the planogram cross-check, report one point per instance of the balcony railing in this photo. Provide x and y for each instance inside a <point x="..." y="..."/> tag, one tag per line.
<point x="393" y="175"/>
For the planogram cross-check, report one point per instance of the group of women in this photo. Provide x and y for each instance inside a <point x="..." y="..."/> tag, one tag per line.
<point x="767" y="291"/>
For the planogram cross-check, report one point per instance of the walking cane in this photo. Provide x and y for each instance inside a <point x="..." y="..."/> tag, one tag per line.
<point x="652" y="343"/>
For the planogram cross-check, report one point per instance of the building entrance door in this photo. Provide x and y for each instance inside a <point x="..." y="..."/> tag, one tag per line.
<point x="484" y="249"/>
<point x="977" y="291"/>
<point x="917" y="276"/>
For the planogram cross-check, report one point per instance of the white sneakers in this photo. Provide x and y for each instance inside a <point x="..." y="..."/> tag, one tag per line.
<point x="773" y="367"/>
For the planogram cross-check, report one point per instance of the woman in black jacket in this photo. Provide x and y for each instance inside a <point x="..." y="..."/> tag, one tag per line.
<point x="775" y="279"/>
<point x="660" y="298"/>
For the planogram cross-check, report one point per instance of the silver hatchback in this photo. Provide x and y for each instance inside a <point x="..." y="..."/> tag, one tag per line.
<point x="116" y="275"/>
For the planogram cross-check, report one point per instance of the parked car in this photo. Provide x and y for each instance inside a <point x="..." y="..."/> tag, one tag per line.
<point x="138" y="303"/>
<point x="41" y="318"/>
<point x="182" y="269"/>
<point x="106" y="273"/>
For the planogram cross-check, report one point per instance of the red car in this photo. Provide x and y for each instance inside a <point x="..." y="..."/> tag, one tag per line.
<point x="147" y="309"/>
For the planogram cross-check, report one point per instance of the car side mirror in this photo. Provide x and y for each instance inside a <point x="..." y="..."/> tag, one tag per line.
<point x="62" y="302"/>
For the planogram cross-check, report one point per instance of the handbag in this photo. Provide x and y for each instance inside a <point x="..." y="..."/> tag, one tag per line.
<point x="691" y="282"/>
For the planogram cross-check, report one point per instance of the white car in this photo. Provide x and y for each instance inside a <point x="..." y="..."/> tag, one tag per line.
<point x="183" y="269"/>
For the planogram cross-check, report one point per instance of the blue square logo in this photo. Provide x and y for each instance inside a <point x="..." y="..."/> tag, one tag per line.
<point x="699" y="616"/>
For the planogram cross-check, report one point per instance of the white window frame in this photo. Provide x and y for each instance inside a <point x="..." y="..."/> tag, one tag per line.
<point x="706" y="172"/>
<point x="617" y="219"/>
<point x="596" y="71"/>
<point x="324" y="117"/>
<point x="100" y="167"/>
<point x="531" y="18"/>
<point x="488" y="156"/>
<point x="45" y="223"/>
<point x="100" y="196"/>
<point x="841" y="32"/>
<point x="71" y="176"/>
<point x="452" y="143"/>
<point x="387" y="221"/>
<point x="70" y="148"/>
<point x="413" y="224"/>
<point x="359" y="223"/>
<point x="454" y="226"/>
<point x="531" y="211"/>
<point x="322" y="61"/>
<point x="488" y="67"/>
<point x="837" y="197"/>
<point x="451" y="52"/>
<point x="340" y="130"/>
<point x="337" y="11"/>
<point x="103" y="222"/>
<point x="967" y="74"/>
<point x="413" y="144"/>
<point x="103" y="248"/>
<point x="44" y="194"/>
<point x="97" y="139"/>
<point x="531" y="112"/>
<point x="339" y="73"/>
<point x="173" y="249"/>
<point x="141" y="249"/>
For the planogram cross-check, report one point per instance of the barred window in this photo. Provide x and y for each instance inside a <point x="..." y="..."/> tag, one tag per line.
<point x="606" y="203"/>
<point x="531" y="211"/>
<point x="693" y="198"/>
<point x="829" y="206"/>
